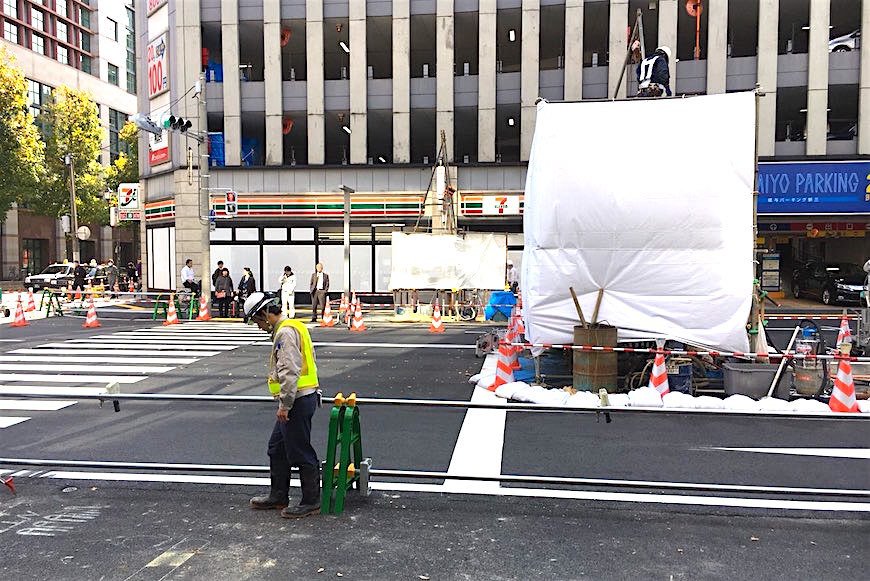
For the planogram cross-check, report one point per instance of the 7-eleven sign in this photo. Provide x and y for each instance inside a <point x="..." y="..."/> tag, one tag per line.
<point x="501" y="205"/>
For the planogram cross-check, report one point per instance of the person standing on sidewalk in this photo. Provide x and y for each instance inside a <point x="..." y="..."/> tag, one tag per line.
<point x="288" y="292"/>
<point x="112" y="278"/>
<point x="223" y="292"/>
<point x="319" y="291"/>
<point x="293" y="382"/>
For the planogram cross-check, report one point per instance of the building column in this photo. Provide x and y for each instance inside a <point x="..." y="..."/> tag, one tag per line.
<point x="529" y="74"/>
<point x="231" y="84"/>
<point x="717" y="46"/>
<point x="187" y="58"/>
<point x="768" y="53"/>
<point x="864" y="88"/>
<point x="314" y="83"/>
<point x="573" y="50"/>
<point x="617" y="46"/>
<point x="358" y="83"/>
<point x="486" y="84"/>
<point x="401" y="81"/>
<point x="107" y="244"/>
<point x="11" y="244"/>
<point x="444" y="75"/>
<point x="817" y="78"/>
<point x="668" y="12"/>
<point x="273" y="83"/>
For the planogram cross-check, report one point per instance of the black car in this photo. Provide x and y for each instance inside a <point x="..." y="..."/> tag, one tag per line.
<point x="831" y="283"/>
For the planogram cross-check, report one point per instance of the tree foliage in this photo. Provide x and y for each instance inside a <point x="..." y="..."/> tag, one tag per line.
<point x="125" y="169"/>
<point x="22" y="153"/>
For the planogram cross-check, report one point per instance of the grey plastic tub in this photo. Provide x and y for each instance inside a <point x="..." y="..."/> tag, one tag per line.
<point x="753" y="379"/>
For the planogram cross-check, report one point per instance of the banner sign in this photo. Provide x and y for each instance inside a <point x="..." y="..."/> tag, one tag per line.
<point x="153" y="5"/>
<point x="158" y="66"/>
<point x="814" y="188"/>
<point x="501" y="205"/>
<point x="128" y="197"/>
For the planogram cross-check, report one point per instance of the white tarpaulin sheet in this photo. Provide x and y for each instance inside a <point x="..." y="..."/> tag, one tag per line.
<point x="441" y="261"/>
<point x="650" y="200"/>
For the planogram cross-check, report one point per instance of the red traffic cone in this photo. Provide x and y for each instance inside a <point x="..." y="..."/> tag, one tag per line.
<point x="342" y="306"/>
<point x="357" y="325"/>
<point x="328" y="320"/>
<point x="658" y="379"/>
<point x="91" y="321"/>
<point x="171" y="313"/>
<point x="19" y="321"/>
<point x="436" y="326"/>
<point x="845" y="334"/>
<point x="203" y="315"/>
<point x="31" y="304"/>
<point x="10" y="484"/>
<point x="503" y="372"/>
<point x="843" y="396"/>
<point x="131" y="288"/>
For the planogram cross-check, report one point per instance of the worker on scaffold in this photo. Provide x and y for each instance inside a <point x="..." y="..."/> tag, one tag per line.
<point x="654" y="73"/>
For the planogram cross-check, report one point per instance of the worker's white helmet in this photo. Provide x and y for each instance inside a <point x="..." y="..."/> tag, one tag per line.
<point x="257" y="302"/>
<point x="665" y="50"/>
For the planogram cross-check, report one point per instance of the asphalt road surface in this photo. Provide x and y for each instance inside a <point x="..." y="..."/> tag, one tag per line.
<point x="88" y="523"/>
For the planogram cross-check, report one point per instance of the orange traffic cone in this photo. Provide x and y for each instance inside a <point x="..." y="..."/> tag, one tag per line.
<point x="31" y="304"/>
<point x="436" y="326"/>
<point x="357" y="325"/>
<point x="203" y="315"/>
<point x="351" y="309"/>
<point x="9" y="483"/>
<point x="843" y="396"/>
<point x="511" y="337"/>
<point x="342" y="306"/>
<point x="503" y="372"/>
<point x="91" y="321"/>
<point x="69" y="293"/>
<point x="19" y="321"/>
<point x="658" y="379"/>
<point x="131" y="288"/>
<point x="171" y="314"/>
<point x="845" y="334"/>
<point x="327" y="321"/>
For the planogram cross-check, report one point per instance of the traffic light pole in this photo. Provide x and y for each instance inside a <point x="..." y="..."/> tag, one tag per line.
<point x="73" y="212"/>
<point x="202" y="184"/>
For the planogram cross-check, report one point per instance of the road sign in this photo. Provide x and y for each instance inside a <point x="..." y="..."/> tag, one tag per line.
<point x="231" y="207"/>
<point x="83" y="233"/>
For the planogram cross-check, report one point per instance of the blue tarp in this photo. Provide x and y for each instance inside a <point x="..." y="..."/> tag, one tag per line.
<point x="501" y="301"/>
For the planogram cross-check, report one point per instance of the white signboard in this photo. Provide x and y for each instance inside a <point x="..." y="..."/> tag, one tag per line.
<point x="158" y="145"/>
<point x="157" y="58"/>
<point x="128" y="197"/>
<point x="473" y="261"/>
<point x="501" y="205"/>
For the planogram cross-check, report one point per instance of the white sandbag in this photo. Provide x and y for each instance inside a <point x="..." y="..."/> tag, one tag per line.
<point x="645" y="397"/>
<point x="619" y="400"/>
<point x="739" y="403"/>
<point x="486" y="380"/>
<point x="583" y="399"/>
<point x="475" y="378"/>
<point x="552" y="397"/>
<point x="508" y="390"/>
<point x="678" y="400"/>
<point x="772" y="404"/>
<point x="809" y="405"/>
<point x="527" y="394"/>
<point x="708" y="402"/>
<point x="864" y="406"/>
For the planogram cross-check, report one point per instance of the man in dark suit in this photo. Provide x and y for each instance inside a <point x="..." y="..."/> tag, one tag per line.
<point x="319" y="288"/>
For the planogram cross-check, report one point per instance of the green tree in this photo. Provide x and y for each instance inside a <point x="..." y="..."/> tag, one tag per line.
<point x="22" y="153"/>
<point x="71" y="125"/>
<point x="125" y="169"/>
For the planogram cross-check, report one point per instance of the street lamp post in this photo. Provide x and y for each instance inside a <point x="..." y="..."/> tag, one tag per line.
<point x="74" y="226"/>
<point x="347" y="192"/>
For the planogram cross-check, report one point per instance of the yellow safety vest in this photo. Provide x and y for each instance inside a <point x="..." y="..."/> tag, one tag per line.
<point x="308" y="374"/>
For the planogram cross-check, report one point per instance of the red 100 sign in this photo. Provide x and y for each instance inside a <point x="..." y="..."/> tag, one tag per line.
<point x="158" y="78"/>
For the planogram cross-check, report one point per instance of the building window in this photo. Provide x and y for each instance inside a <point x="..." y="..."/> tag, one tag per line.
<point x="85" y="19"/>
<point x="86" y="64"/>
<point x="37" y="19"/>
<point x="10" y="31"/>
<point x="131" y="51"/>
<point x="113" y="74"/>
<point x="37" y="44"/>
<point x="60" y="8"/>
<point x="112" y="29"/>
<point x="37" y="96"/>
<point x="116" y="122"/>
<point x="10" y="8"/>
<point x="86" y="42"/>
<point x="62" y="55"/>
<point x="62" y="31"/>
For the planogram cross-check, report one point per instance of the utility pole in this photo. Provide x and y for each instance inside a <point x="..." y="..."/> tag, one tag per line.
<point x="204" y="195"/>
<point x="74" y="218"/>
<point x="347" y="192"/>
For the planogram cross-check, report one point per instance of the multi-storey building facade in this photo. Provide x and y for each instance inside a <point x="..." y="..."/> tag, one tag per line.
<point x="88" y="45"/>
<point x="304" y="95"/>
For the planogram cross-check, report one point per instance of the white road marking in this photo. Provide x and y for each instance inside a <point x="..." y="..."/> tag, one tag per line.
<point x="633" y="497"/>
<point x="122" y="343"/>
<point x="11" y="340"/>
<point x="389" y="345"/>
<point x="142" y="339"/>
<point x="6" y="421"/>
<point x="480" y="443"/>
<point x="60" y="391"/>
<point x="59" y="358"/>
<point x="28" y="405"/>
<point x="854" y="453"/>
<point x="86" y="368"/>
<point x="78" y="350"/>
<point x="39" y="377"/>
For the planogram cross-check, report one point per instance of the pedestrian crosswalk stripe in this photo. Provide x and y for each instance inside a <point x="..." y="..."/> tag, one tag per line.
<point x="28" y="405"/>
<point x="48" y="378"/>
<point x="53" y="391"/>
<point x="77" y="349"/>
<point x="6" y="421"/>
<point x="131" y="343"/>
<point x="204" y="340"/>
<point x="86" y="357"/>
<point x="86" y="368"/>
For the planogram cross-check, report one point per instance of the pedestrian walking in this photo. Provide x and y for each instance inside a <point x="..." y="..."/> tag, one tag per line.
<point x="132" y="274"/>
<point x="319" y="288"/>
<point x="80" y="273"/>
<point x="247" y="286"/>
<point x="288" y="292"/>
<point x="223" y="292"/>
<point x="111" y="278"/>
<point x="292" y="381"/>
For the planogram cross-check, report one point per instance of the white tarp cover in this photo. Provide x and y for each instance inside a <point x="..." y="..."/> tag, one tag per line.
<point x="650" y="200"/>
<point x="443" y="261"/>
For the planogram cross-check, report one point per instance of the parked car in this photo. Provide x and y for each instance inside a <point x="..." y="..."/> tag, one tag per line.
<point x="54" y="276"/>
<point x="831" y="283"/>
<point x="845" y="43"/>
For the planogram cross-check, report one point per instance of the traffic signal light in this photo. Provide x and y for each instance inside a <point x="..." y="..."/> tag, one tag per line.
<point x="231" y="207"/>
<point x="179" y="124"/>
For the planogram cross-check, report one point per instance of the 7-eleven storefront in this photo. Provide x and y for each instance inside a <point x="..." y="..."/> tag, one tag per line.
<point x="272" y="231"/>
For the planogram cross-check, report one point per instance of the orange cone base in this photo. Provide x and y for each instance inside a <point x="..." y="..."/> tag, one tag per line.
<point x="359" y="329"/>
<point x="434" y="329"/>
<point x="91" y="325"/>
<point x="325" y="324"/>
<point x="21" y="323"/>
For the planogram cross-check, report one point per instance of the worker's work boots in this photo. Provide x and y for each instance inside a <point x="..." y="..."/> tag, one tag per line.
<point x="279" y="491"/>
<point x="310" y="504"/>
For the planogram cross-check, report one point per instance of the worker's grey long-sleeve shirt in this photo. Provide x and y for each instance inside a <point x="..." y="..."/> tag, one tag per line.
<point x="285" y="365"/>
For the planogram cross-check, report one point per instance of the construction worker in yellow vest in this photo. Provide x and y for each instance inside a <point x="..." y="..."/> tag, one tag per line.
<point x="292" y="381"/>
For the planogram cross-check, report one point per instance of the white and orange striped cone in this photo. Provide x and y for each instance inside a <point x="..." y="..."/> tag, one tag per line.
<point x="357" y="325"/>
<point x="9" y="483"/>
<point x="328" y="320"/>
<point x="171" y="313"/>
<point x="511" y="337"/>
<point x="845" y="334"/>
<point x="91" y="321"/>
<point x="843" y="396"/>
<point x="31" y="304"/>
<point x="131" y="288"/>
<point x="503" y="372"/>
<point x="436" y="326"/>
<point x="204" y="314"/>
<point x="351" y="310"/>
<point x="658" y="379"/>
<point x="342" y="306"/>
<point x="69" y="293"/>
<point x="19" y="321"/>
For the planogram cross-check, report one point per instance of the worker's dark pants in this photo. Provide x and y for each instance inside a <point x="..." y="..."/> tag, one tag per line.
<point x="290" y="444"/>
